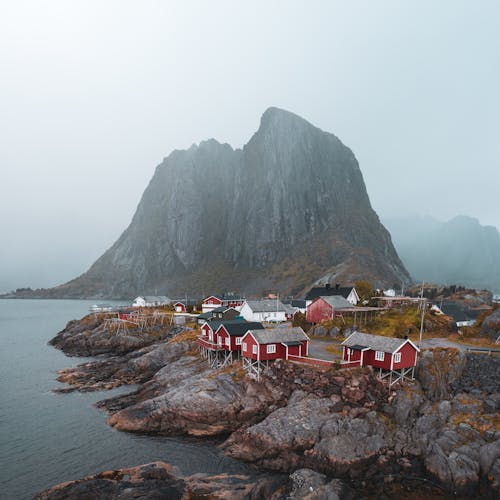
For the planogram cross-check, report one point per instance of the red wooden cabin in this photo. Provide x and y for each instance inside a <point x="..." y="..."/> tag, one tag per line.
<point x="325" y="308"/>
<point x="214" y="301"/>
<point x="212" y="341"/>
<point x="180" y="307"/>
<point x="258" y="346"/>
<point x="394" y="356"/>
<point x="230" y="334"/>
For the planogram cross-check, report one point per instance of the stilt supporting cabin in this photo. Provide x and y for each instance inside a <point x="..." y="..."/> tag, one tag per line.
<point x="397" y="375"/>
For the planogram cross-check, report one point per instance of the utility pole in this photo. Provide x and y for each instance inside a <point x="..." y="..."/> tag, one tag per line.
<point x="422" y="318"/>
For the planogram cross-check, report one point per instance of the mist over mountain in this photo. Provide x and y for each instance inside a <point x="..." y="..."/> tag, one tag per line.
<point x="287" y="210"/>
<point x="460" y="251"/>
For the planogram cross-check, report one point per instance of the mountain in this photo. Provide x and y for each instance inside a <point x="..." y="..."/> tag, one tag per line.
<point x="460" y="251"/>
<point x="287" y="210"/>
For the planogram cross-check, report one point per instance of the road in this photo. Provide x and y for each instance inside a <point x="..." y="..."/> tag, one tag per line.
<point x="317" y="349"/>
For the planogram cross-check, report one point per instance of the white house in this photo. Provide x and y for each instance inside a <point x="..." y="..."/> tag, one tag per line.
<point x="270" y="310"/>
<point x="151" y="301"/>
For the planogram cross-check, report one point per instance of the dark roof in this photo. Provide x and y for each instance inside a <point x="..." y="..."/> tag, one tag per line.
<point x="239" y="329"/>
<point x="214" y="324"/>
<point x="357" y="347"/>
<point x="325" y="291"/>
<point x="300" y="303"/>
<point x="457" y="312"/>
<point x="230" y="296"/>
<point x="207" y="315"/>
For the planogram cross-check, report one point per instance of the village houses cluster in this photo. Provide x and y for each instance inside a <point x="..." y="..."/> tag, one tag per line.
<point x="258" y="331"/>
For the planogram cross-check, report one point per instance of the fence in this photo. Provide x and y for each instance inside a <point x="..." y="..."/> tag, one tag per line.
<point x="350" y="364"/>
<point x="485" y="350"/>
<point x="311" y="361"/>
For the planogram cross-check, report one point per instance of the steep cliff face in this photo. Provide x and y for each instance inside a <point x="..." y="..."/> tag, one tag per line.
<point x="287" y="210"/>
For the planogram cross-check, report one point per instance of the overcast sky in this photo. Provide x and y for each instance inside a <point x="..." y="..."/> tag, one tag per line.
<point x="93" y="94"/>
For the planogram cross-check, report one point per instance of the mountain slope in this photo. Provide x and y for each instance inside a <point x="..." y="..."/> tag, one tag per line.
<point x="460" y="251"/>
<point x="287" y="210"/>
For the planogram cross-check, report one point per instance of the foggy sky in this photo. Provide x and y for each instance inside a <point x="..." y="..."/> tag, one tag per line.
<point x="93" y="94"/>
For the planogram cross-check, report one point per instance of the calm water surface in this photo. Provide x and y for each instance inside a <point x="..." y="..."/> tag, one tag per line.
<point x="47" y="438"/>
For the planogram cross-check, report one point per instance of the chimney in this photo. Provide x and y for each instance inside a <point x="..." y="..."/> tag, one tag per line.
<point x="337" y="286"/>
<point x="327" y="286"/>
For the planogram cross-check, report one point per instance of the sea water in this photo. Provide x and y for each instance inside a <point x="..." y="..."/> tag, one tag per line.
<point x="47" y="438"/>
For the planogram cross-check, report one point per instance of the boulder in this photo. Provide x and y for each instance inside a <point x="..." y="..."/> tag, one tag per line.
<point x="437" y="369"/>
<point x="491" y="325"/>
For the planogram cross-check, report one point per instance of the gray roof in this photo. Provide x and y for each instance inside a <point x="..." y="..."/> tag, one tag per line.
<point x="274" y="335"/>
<point x="337" y="301"/>
<point x="266" y="305"/>
<point x="374" y="342"/>
<point x="155" y="298"/>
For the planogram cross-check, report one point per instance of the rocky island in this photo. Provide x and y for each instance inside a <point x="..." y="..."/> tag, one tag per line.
<point x="341" y="433"/>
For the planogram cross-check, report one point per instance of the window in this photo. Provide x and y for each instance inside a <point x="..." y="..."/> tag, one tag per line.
<point x="238" y="340"/>
<point x="219" y="340"/>
<point x="254" y="349"/>
<point x="244" y="346"/>
<point x="228" y="342"/>
<point x="210" y="335"/>
<point x="271" y="348"/>
<point x="379" y="356"/>
<point x="397" y="357"/>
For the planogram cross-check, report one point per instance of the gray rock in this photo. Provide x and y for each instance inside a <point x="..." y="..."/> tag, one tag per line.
<point x="217" y="218"/>
<point x="311" y="485"/>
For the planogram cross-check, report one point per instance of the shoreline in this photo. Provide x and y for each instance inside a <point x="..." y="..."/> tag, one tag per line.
<point x="245" y="425"/>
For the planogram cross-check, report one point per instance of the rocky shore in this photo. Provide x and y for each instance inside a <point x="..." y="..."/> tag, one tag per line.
<point x="344" y="426"/>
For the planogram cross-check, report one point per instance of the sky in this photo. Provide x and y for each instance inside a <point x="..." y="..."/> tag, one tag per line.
<point x="94" y="94"/>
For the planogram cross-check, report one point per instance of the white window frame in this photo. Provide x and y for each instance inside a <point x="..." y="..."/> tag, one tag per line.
<point x="379" y="355"/>
<point x="228" y="341"/>
<point x="210" y="335"/>
<point x="238" y="340"/>
<point x="254" y="349"/>
<point x="219" y="340"/>
<point x="244" y="346"/>
<point x="271" y="348"/>
<point x="397" y="357"/>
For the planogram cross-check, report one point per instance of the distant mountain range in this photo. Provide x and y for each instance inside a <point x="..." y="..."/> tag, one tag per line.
<point x="286" y="211"/>
<point x="460" y="251"/>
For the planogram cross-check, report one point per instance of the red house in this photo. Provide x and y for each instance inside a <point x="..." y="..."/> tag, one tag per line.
<point x="258" y="346"/>
<point x="230" y="334"/>
<point x="180" y="307"/>
<point x="394" y="357"/>
<point x="325" y="308"/>
<point x="213" y="341"/>
<point x="225" y="300"/>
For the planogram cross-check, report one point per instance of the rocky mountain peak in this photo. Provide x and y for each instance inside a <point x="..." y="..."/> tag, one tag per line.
<point x="288" y="209"/>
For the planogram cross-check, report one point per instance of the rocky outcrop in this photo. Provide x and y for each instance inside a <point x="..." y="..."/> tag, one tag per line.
<point x="307" y="484"/>
<point x="438" y="369"/>
<point x="491" y="325"/>
<point x="288" y="209"/>
<point x="161" y="480"/>
<point x="92" y="336"/>
<point x="133" y="368"/>
<point x="345" y="424"/>
<point x="187" y="397"/>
